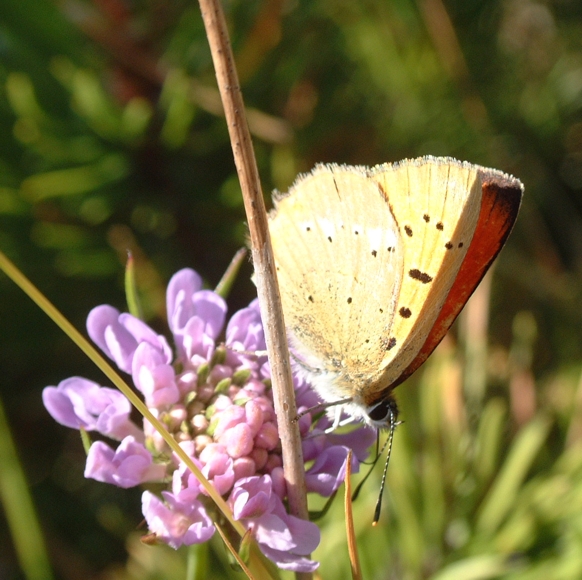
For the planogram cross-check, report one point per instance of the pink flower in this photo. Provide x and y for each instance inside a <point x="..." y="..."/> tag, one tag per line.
<point x="81" y="403"/>
<point x="216" y="402"/>
<point x="174" y="522"/>
<point x="127" y="466"/>
<point x="118" y="335"/>
<point x="154" y="377"/>
<point x="283" y="538"/>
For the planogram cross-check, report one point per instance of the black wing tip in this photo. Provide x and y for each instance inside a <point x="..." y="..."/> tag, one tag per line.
<point x="508" y="191"/>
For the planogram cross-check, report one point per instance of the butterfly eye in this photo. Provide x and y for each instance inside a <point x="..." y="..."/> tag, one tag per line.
<point x="384" y="411"/>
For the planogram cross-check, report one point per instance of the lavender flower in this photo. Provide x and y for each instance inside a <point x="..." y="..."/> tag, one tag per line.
<point x="216" y="401"/>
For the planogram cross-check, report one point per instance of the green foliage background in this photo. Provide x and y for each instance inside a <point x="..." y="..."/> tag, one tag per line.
<point x="111" y="139"/>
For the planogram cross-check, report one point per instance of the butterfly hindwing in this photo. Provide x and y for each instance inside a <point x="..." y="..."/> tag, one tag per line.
<point x="339" y="261"/>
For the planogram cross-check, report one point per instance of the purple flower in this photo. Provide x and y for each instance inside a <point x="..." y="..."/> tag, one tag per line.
<point x="218" y="467"/>
<point x="329" y="470"/>
<point x="81" y="403"/>
<point x="175" y="522"/>
<point x="185" y="301"/>
<point x="118" y="335"/>
<point x="284" y="539"/>
<point x="244" y="331"/>
<point x="127" y="466"/>
<point x="180" y="518"/>
<point x="154" y="377"/>
<point x="195" y="316"/>
<point x="215" y="400"/>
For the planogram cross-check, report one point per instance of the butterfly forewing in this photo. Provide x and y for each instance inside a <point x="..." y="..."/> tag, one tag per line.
<point x="500" y="201"/>
<point x="338" y="254"/>
<point x="436" y="206"/>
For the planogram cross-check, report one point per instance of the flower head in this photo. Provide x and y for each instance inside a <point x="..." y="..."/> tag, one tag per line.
<point x="216" y="402"/>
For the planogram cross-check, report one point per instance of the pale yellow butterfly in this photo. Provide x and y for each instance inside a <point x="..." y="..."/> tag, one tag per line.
<point x="375" y="264"/>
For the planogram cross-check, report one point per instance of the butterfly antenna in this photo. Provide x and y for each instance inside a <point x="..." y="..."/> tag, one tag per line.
<point x="393" y="424"/>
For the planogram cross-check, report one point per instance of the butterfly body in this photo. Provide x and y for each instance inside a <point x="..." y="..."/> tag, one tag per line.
<point x="375" y="264"/>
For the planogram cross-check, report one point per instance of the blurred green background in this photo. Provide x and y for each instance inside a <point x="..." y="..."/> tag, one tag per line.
<point x="111" y="139"/>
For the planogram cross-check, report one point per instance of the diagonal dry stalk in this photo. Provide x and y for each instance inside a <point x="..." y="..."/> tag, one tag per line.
<point x="350" y="529"/>
<point x="266" y="279"/>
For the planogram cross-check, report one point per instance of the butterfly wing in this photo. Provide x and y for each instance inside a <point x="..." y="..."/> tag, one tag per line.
<point x="436" y="204"/>
<point x="339" y="261"/>
<point x="375" y="265"/>
<point x="500" y="202"/>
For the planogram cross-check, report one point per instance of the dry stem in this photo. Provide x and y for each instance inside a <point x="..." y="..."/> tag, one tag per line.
<point x="267" y="287"/>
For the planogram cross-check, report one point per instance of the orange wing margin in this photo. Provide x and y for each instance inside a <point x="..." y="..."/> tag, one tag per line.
<point x="500" y="203"/>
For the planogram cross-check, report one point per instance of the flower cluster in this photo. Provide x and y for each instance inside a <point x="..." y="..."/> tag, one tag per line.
<point x="215" y="399"/>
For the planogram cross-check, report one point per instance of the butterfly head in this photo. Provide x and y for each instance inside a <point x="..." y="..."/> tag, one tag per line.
<point x="383" y="414"/>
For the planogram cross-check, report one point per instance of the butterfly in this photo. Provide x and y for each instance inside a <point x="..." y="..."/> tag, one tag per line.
<point x="374" y="265"/>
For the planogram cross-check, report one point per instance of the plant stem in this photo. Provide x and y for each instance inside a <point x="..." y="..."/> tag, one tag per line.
<point x="267" y="287"/>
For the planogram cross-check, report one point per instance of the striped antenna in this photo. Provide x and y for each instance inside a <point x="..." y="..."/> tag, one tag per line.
<point x="393" y="423"/>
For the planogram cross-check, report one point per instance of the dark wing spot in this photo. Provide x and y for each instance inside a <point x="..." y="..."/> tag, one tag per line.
<point x="449" y="246"/>
<point x="440" y="226"/>
<point x="420" y="276"/>
<point x="329" y="238"/>
<point x="381" y="311"/>
<point x="357" y="232"/>
<point x="390" y="248"/>
<point x="426" y="217"/>
<point x="310" y="298"/>
<point x="308" y="229"/>
<point x="349" y="300"/>
<point x="374" y="253"/>
<point x="460" y="245"/>
<point x="408" y="231"/>
<point x="405" y="312"/>
<point x="389" y="344"/>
